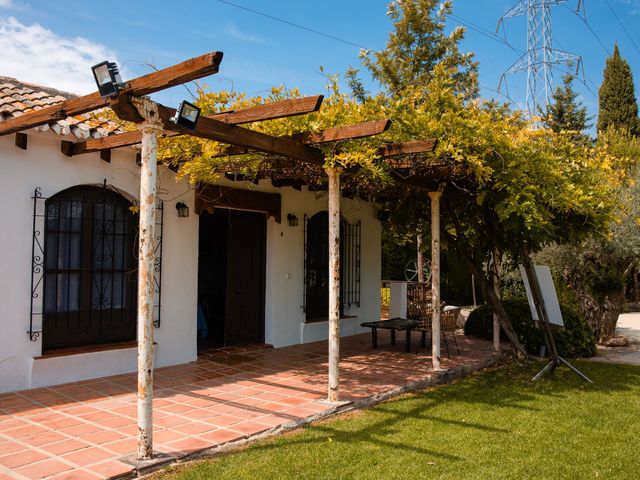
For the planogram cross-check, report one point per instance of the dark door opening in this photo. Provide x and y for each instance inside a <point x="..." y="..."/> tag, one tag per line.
<point x="231" y="277"/>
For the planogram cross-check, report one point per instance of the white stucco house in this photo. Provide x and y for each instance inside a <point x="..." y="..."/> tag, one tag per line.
<point x="249" y="259"/>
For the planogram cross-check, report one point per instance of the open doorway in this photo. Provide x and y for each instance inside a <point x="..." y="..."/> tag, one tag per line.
<point x="231" y="278"/>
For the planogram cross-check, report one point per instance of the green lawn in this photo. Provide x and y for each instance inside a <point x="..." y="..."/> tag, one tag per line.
<point x="493" y="425"/>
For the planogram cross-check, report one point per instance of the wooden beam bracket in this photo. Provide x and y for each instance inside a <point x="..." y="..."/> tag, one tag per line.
<point x="21" y="140"/>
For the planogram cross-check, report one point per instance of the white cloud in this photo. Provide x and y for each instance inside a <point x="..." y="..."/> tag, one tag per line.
<point x="33" y="54"/>
<point x="234" y="32"/>
<point x="5" y="3"/>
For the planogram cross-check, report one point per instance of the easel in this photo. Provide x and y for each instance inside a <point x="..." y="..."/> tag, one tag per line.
<point x="556" y="359"/>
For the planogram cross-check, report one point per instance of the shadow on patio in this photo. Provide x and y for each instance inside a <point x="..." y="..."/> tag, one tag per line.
<point x="86" y="427"/>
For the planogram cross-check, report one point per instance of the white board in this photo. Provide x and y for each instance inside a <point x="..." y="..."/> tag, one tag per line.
<point x="548" y="291"/>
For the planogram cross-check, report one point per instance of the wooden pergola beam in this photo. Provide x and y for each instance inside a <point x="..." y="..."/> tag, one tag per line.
<point x="416" y="146"/>
<point x="257" y="113"/>
<point x="333" y="134"/>
<point x="347" y="132"/>
<point x="212" y="129"/>
<point x="186" y="71"/>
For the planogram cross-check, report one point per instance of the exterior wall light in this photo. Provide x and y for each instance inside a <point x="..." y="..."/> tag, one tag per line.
<point x="107" y="77"/>
<point x="186" y="115"/>
<point x="183" y="209"/>
<point x="293" y="220"/>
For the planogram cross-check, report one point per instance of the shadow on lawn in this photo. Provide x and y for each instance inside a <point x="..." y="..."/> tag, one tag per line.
<point x="510" y="385"/>
<point x="506" y="387"/>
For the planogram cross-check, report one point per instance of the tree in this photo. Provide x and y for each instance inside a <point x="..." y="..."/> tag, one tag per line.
<point x="565" y="113"/>
<point x="596" y="270"/>
<point x="416" y="45"/>
<point x="616" y="97"/>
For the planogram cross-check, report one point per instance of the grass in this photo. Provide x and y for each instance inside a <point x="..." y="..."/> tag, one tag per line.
<point x="492" y="425"/>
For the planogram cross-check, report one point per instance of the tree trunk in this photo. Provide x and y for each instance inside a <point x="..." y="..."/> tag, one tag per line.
<point x="601" y="314"/>
<point x="489" y="294"/>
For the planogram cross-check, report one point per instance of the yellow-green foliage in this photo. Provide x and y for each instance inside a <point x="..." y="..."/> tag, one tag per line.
<point x="532" y="179"/>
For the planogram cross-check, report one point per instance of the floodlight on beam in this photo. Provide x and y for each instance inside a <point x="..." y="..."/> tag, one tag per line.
<point x="187" y="115"/>
<point x="107" y="77"/>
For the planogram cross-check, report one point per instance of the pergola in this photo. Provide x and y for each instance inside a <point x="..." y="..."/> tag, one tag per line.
<point x="154" y="120"/>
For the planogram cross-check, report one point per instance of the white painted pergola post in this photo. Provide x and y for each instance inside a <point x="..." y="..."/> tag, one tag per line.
<point x="334" y="283"/>
<point x="435" y="278"/>
<point x="148" y="175"/>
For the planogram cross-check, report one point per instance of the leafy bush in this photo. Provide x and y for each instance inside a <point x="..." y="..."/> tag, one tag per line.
<point x="575" y="340"/>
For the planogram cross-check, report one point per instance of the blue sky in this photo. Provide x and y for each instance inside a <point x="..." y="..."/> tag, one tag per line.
<point x="55" y="43"/>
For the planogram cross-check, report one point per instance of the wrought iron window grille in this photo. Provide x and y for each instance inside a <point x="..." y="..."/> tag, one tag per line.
<point x="350" y="265"/>
<point x="99" y="301"/>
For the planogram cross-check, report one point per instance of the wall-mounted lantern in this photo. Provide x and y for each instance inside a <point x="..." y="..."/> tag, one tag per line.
<point x="293" y="220"/>
<point x="183" y="209"/>
<point x="107" y="77"/>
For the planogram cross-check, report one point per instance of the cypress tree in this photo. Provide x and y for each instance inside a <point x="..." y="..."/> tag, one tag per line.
<point x="617" y="101"/>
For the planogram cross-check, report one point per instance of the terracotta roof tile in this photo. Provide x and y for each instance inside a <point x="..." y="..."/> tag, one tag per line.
<point x="18" y="98"/>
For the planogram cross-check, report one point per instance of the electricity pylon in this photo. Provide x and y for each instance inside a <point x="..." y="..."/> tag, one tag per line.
<point x="540" y="56"/>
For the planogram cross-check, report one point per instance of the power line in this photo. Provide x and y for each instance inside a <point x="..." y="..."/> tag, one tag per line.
<point x="485" y="32"/>
<point x="590" y="28"/>
<point x="292" y="24"/>
<point x="622" y="25"/>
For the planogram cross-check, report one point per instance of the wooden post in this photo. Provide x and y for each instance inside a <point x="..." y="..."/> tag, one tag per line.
<point x="334" y="282"/>
<point x="420" y="262"/>
<point x="435" y="278"/>
<point x="150" y="131"/>
<point x="496" y="289"/>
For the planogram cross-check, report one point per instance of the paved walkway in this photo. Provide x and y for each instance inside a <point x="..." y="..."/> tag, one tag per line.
<point x="84" y="430"/>
<point x="629" y="326"/>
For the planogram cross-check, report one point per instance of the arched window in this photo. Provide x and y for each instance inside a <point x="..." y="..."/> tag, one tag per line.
<point x="90" y="277"/>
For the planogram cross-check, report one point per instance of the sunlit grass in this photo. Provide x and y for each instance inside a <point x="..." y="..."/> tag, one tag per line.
<point x="493" y="425"/>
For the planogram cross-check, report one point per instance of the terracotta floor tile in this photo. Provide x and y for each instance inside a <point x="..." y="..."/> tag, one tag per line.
<point x="43" y="469"/>
<point x="80" y="429"/>
<point x="26" y="431"/>
<point x="117" y="421"/>
<point x="76" y="475"/>
<point x="167" y="436"/>
<point x="110" y="468"/>
<point x="194" y="428"/>
<point x="65" y="446"/>
<point x="102" y="436"/>
<point x="61" y="422"/>
<point x="44" y="438"/>
<point x="123" y="447"/>
<point x="170" y="421"/>
<point x="10" y="447"/>
<point x="189" y="445"/>
<point x="250" y="428"/>
<point x="221" y="435"/>
<point x="87" y="456"/>
<point x="25" y="457"/>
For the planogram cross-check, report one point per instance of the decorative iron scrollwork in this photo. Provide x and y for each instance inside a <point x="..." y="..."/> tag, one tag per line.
<point x="37" y="264"/>
<point x="157" y="264"/>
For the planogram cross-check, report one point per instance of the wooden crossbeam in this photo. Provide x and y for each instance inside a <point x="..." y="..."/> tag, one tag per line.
<point x="347" y="132"/>
<point x="333" y="134"/>
<point x="212" y="129"/>
<point x="186" y="71"/>
<point x="257" y="113"/>
<point x="416" y="146"/>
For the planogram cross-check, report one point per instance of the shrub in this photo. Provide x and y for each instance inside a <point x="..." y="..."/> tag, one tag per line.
<point x="575" y="340"/>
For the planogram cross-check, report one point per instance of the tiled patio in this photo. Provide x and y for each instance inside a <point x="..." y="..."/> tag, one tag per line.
<point x="82" y="430"/>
